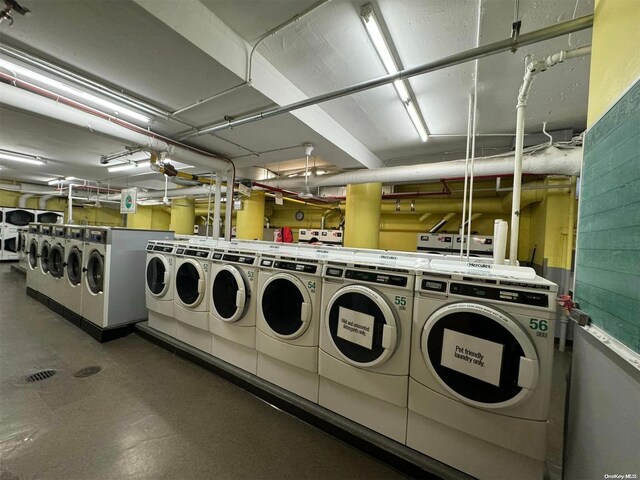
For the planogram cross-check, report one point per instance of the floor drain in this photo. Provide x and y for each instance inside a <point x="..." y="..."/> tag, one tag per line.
<point x="42" y="375"/>
<point x="87" y="372"/>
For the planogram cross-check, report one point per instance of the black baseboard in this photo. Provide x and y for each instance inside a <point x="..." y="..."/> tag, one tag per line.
<point x="386" y="450"/>
<point x="104" y="335"/>
<point x="56" y="307"/>
<point x="72" y="317"/>
<point x="32" y="293"/>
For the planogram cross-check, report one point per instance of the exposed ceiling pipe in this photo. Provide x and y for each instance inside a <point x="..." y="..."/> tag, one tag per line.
<point x="52" y="105"/>
<point x="509" y="44"/>
<point x="531" y="70"/>
<point x="22" y="201"/>
<point x="42" y="201"/>
<point x="174" y="192"/>
<point x="442" y="223"/>
<point x="552" y="161"/>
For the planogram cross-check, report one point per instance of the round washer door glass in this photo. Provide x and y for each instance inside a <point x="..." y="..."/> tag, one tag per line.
<point x="229" y="294"/>
<point x="95" y="272"/>
<point x="190" y="283"/>
<point x="33" y="254"/>
<point x="480" y="355"/>
<point x="56" y="261"/>
<point x="44" y="257"/>
<point x="361" y="325"/>
<point x="157" y="278"/>
<point x="74" y="266"/>
<point x="286" y="306"/>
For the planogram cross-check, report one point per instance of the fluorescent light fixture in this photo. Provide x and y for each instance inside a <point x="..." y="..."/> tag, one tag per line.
<point x="128" y="166"/>
<point x="61" y="87"/>
<point x="19" y="159"/>
<point x="372" y="26"/>
<point x="68" y="179"/>
<point x="55" y="181"/>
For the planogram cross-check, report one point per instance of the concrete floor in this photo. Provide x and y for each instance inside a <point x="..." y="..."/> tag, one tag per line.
<point x="151" y="414"/>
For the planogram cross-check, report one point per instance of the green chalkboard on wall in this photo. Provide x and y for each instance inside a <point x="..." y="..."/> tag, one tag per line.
<point x="608" y="253"/>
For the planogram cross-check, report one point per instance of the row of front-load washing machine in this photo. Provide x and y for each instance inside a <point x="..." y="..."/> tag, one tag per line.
<point x="89" y="275"/>
<point x="454" y="365"/>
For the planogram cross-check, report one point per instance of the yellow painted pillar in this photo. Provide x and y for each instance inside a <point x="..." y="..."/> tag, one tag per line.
<point x="141" y="219"/>
<point x="183" y="215"/>
<point x="362" y="215"/>
<point x="250" y="220"/>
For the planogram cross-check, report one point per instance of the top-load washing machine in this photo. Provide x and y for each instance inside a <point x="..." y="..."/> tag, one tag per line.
<point x="288" y="319"/>
<point x="232" y="305"/>
<point x="32" y="251"/>
<point x="45" y="280"/>
<point x="190" y="295"/>
<point x="481" y="365"/>
<point x="57" y="263"/>
<point x="365" y="334"/>
<point x="72" y="280"/>
<point x="159" y="273"/>
<point x="113" y="293"/>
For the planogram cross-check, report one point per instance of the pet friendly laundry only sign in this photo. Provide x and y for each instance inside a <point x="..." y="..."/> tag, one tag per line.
<point x="472" y="356"/>
<point x="355" y="327"/>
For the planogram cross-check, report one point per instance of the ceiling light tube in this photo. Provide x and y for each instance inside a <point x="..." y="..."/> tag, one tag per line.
<point x="127" y="166"/>
<point x="55" y="181"/>
<point x="61" y="87"/>
<point x="384" y="52"/>
<point x="16" y="158"/>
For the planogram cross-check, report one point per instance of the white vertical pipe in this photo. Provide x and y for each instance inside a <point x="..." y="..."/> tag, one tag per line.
<point x="473" y="157"/>
<point x="228" y="208"/>
<point x="517" y="184"/>
<point x="216" y="207"/>
<point x="466" y="174"/>
<point x="209" y="208"/>
<point x="70" y="205"/>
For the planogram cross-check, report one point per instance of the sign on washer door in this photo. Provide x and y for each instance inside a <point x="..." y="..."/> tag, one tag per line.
<point x="356" y="327"/>
<point x="472" y="356"/>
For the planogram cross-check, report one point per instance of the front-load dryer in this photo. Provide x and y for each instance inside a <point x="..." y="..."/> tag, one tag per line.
<point x="232" y="306"/>
<point x="22" y="247"/>
<point x="72" y="280"/>
<point x="288" y="320"/>
<point x="365" y="342"/>
<point x="45" y="280"/>
<point x="191" y="298"/>
<point x="57" y="263"/>
<point x="480" y="378"/>
<point x="159" y="273"/>
<point x="32" y="253"/>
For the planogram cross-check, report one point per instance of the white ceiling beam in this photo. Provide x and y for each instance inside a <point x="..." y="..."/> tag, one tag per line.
<point x="196" y="23"/>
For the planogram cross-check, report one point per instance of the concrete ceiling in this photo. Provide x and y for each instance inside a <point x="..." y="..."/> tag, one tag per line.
<point x="173" y="54"/>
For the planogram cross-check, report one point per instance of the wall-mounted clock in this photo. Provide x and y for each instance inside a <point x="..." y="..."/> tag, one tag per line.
<point x="299" y="215"/>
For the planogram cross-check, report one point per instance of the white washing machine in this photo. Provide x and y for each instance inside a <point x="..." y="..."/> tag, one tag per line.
<point x="49" y="216"/>
<point x="365" y="341"/>
<point x="480" y="246"/>
<point x="232" y="306"/>
<point x="435" y="243"/>
<point x="480" y="379"/>
<point x="57" y="263"/>
<point x="288" y="319"/>
<point x="113" y="287"/>
<point x="159" y="273"/>
<point x="18" y="217"/>
<point x="72" y="280"/>
<point x="191" y="295"/>
<point x="45" y="280"/>
<point x="33" y="250"/>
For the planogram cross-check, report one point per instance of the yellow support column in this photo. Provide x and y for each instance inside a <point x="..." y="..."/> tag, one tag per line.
<point x="362" y="215"/>
<point x="183" y="215"/>
<point x="250" y="220"/>
<point x="141" y="219"/>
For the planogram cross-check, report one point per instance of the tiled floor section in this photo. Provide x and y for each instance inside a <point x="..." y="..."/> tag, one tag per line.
<point x="149" y="414"/>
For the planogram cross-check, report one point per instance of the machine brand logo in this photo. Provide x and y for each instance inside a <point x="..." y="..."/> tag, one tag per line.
<point x="479" y="265"/>
<point x="389" y="257"/>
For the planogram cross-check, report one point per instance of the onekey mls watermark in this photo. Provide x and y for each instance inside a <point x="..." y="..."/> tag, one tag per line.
<point x="620" y="476"/>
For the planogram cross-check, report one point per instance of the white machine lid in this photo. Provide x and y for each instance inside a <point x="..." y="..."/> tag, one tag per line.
<point x="361" y="325"/>
<point x="229" y="294"/>
<point x="286" y="305"/>
<point x="480" y="355"/>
